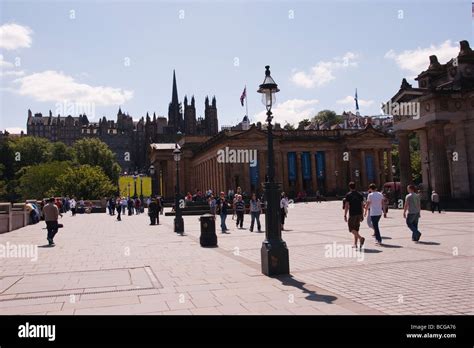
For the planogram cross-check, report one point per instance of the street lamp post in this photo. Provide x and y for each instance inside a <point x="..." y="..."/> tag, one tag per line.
<point x="135" y="185"/>
<point x="395" y="186"/>
<point x="152" y="174"/>
<point x="274" y="252"/>
<point x="141" y="187"/>
<point x="178" y="219"/>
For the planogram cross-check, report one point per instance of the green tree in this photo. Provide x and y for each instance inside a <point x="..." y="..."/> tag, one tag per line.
<point x="85" y="181"/>
<point x="61" y="152"/>
<point x="304" y="123"/>
<point x="29" y="151"/>
<point x="288" y="127"/>
<point x="327" y="116"/>
<point x="96" y="153"/>
<point x="40" y="180"/>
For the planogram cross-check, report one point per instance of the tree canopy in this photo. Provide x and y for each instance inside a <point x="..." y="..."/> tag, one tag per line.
<point x="327" y="116"/>
<point x="96" y="153"/>
<point x="30" y="167"/>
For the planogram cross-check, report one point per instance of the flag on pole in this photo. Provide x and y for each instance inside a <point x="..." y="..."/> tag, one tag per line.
<point x="357" y="101"/>
<point x="243" y="96"/>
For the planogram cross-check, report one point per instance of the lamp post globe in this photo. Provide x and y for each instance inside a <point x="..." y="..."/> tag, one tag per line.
<point x="178" y="219"/>
<point x="274" y="252"/>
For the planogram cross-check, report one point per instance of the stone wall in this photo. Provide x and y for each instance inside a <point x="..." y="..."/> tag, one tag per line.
<point x="12" y="217"/>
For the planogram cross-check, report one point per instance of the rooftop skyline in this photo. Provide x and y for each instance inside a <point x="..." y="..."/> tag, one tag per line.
<point x="120" y="54"/>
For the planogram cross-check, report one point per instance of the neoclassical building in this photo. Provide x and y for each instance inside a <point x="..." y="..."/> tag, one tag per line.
<point x="306" y="160"/>
<point x="441" y="113"/>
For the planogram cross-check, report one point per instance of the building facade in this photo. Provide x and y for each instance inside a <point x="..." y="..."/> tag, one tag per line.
<point x="444" y="124"/>
<point x="305" y="160"/>
<point x="129" y="139"/>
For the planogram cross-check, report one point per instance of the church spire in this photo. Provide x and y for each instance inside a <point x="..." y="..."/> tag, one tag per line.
<point x="174" y="98"/>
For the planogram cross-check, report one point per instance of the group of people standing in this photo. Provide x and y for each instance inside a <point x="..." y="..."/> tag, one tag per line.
<point x="374" y="207"/>
<point x="221" y="205"/>
<point x="122" y="204"/>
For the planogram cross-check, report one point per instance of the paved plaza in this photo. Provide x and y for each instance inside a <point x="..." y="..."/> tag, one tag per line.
<point x="101" y="266"/>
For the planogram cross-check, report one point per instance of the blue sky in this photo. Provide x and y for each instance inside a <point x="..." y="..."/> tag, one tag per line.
<point x="122" y="53"/>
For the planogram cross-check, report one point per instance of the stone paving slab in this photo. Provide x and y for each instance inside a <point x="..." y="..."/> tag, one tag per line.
<point x="129" y="267"/>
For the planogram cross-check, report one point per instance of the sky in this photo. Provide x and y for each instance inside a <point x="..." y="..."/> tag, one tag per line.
<point x="98" y="55"/>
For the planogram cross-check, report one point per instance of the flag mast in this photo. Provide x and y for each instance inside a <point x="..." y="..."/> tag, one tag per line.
<point x="246" y="104"/>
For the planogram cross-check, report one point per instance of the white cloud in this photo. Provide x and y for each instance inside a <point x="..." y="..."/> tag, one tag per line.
<point x="15" y="130"/>
<point x="13" y="36"/>
<point x="417" y="60"/>
<point x="4" y="63"/>
<point x="323" y="72"/>
<point x="12" y="73"/>
<point x="350" y="101"/>
<point x="54" y="86"/>
<point x="291" y="111"/>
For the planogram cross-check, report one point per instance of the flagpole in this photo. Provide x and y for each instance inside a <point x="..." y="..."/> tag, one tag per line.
<point x="246" y="104"/>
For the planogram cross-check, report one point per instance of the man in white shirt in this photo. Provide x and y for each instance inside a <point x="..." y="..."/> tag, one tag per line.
<point x="72" y="205"/>
<point x="375" y="207"/>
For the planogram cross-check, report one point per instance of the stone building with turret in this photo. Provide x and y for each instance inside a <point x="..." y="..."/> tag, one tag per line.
<point x="440" y="111"/>
<point x="129" y="139"/>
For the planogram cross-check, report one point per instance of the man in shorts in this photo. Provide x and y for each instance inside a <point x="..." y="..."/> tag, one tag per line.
<point x="355" y="206"/>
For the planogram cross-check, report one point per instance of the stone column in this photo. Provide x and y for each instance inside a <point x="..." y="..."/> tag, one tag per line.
<point x="424" y="157"/>
<point x="299" y="173"/>
<point x="362" y="172"/>
<point x="405" y="163"/>
<point x="330" y="168"/>
<point x="285" y="171"/>
<point x="439" y="166"/>
<point x="459" y="162"/>
<point x="314" y="176"/>
<point x="389" y="165"/>
<point x="378" y="172"/>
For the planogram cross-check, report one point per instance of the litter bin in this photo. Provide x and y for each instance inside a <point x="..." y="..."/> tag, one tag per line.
<point x="208" y="231"/>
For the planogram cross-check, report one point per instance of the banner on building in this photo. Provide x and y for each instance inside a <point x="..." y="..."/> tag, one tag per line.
<point x="127" y="186"/>
<point x="306" y="164"/>
<point x="320" y="164"/>
<point x="369" y="166"/>
<point x="254" y="169"/>
<point x="292" y="166"/>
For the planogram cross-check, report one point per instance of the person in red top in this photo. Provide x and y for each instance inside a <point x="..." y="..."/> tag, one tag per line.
<point x="138" y="204"/>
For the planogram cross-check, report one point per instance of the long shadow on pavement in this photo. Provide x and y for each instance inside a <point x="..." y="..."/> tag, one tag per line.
<point x="428" y="243"/>
<point x="312" y="295"/>
<point x="390" y="246"/>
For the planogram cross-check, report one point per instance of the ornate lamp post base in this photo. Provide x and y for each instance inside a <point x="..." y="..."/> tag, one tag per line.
<point x="179" y="225"/>
<point x="274" y="252"/>
<point x="275" y="258"/>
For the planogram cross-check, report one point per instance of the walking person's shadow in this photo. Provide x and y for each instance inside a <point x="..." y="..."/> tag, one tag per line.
<point x="312" y="295"/>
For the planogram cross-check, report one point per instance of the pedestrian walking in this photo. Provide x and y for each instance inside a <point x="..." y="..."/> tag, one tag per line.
<point x="284" y="203"/>
<point x="386" y="203"/>
<point x="355" y="206"/>
<point x="137" y="206"/>
<point x="435" y="202"/>
<point x="72" y="204"/>
<point x="212" y="205"/>
<point x="375" y="208"/>
<point x="130" y="206"/>
<point x="255" y="211"/>
<point x="51" y="214"/>
<point x="153" y="211"/>
<point x="413" y="207"/>
<point x="118" y="204"/>
<point x="222" y="206"/>
<point x="240" y="211"/>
